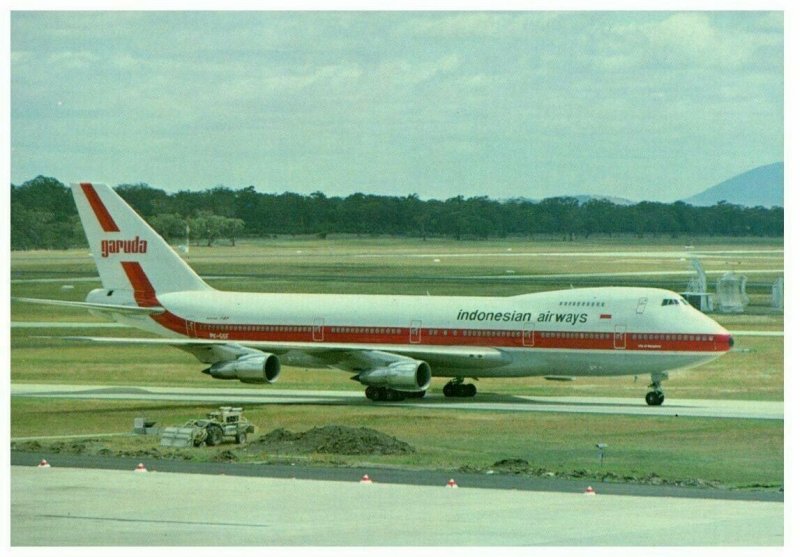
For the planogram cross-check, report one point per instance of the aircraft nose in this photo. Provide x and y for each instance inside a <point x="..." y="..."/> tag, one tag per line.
<point x="724" y="339"/>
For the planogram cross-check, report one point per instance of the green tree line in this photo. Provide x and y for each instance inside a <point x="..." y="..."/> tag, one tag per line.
<point x="43" y="216"/>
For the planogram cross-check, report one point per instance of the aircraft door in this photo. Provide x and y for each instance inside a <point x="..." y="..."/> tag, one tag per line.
<point x="415" y="332"/>
<point x="527" y="334"/>
<point x="318" y="330"/>
<point x="191" y="332"/>
<point x="619" y="337"/>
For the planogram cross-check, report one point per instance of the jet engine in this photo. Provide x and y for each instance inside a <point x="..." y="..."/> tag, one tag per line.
<point x="250" y="368"/>
<point x="407" y="376"/>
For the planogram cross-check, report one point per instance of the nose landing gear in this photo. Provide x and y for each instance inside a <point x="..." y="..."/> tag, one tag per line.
<point x="656" y="396"/>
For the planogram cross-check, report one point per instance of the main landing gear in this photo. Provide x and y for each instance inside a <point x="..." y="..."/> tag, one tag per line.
<point x="457" y="388"/>
<point x="656" y="396"/>
<point x="385" y="394"/>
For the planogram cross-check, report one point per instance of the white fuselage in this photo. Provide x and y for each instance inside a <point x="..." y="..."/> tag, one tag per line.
<point x="588" y="331"/>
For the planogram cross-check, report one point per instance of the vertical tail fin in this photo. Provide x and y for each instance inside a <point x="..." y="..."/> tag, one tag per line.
<point x="118" y="237"/>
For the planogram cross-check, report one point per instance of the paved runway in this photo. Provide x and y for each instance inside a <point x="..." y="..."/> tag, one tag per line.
<point x="627" y="254"/>
<point x="79" y="507"/>
<point x="744" y="409"/>
<point x="756" y="333"/>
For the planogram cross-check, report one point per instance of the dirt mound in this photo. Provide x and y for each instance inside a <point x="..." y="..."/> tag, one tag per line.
<point x="512" y="465"/>
<point x="520" y="466"/>
<point x="332" y="439"/>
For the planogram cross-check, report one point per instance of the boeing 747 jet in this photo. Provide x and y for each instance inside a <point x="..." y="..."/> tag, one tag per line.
<point x="393" y="345"/>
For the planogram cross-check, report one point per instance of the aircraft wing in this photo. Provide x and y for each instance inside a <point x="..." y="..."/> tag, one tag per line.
<point x="464" y="357"/>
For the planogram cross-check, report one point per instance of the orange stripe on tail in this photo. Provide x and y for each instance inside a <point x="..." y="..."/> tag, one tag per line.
<point x="143" y="291"/>
<point x="103" y="216"/>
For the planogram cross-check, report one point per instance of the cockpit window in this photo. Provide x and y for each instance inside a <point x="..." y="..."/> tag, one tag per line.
<point x="671" y="302"/>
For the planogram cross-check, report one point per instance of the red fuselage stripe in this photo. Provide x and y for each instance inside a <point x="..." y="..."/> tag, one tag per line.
<point x="145" y="296"/>
<point x="565" y="340"/>
<point x="103" y="216"/>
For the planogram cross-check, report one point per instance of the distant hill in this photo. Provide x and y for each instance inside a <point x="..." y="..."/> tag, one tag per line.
<point x="761" y="186"/>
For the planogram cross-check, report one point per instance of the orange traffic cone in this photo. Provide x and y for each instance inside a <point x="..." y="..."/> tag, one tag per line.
<point x="452" y="483"/>
<point x="44" y="464"/>
<point x="589" y="491"/>
<point x="365" y="479"/>
<point x="140" y="468"/>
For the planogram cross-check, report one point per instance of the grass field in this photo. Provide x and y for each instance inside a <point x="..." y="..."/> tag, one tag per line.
<point x="739" y="452"/>
<point x="744" y="454"/>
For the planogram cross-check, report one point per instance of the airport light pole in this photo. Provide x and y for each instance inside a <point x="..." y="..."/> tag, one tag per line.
<point x="601" y="448"/>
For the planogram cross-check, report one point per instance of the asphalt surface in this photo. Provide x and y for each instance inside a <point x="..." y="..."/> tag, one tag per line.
<point x="389" y="475"/>
<point x="87" y="500"/>
<point x="740" y="409"/>
<point x="61" y="506"/>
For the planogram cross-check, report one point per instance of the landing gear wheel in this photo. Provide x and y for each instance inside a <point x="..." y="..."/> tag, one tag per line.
<point x="654" y="398"/>
<point x="394" y="396"/>
<point x="241" y="438"/>
<point x="384" y="394"/>
<point x="215" y="435"/>
<point x="466" y="391"/>
<point x="457" y="388"/>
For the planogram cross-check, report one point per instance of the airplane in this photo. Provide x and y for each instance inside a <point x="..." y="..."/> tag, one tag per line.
<point x="392" y="344"/>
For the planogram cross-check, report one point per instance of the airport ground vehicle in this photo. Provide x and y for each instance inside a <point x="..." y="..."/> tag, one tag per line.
<point x="225" y="422"/>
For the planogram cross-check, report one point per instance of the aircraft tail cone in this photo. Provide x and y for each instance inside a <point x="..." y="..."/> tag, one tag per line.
<point x="140" y="468"/>
<point x="452" y="483"/>
<point x="365" y="479"/>
<point x="589" y="491"/>
<point x="44" y="464"/>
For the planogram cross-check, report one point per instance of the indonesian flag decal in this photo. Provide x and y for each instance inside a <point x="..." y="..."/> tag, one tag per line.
<point x="605" y="316"/>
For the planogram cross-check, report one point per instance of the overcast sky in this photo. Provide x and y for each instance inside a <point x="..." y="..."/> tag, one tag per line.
<point x="640" y="105"/>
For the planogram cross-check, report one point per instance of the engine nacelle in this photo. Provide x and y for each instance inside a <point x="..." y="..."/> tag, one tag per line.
<point x="253" y="368"/>
<point x="409" y="376"/>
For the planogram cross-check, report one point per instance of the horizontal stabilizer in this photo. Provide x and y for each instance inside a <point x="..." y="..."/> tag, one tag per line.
<point x="108" y="308"/>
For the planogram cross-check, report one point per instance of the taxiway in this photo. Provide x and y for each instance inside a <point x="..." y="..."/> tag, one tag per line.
<point x="699" y="408"/>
